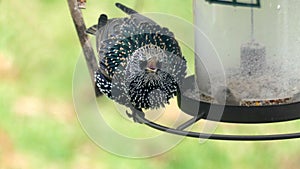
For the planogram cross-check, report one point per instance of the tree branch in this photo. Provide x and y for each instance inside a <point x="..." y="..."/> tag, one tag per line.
<point x="74" y="7"/>
<point x="81" y="4"/>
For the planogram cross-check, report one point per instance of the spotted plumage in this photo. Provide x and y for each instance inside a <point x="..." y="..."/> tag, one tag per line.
<point x="140" y="62"/>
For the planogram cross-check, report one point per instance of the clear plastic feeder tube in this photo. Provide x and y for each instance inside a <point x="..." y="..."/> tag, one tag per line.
<point x="259" y="47"/>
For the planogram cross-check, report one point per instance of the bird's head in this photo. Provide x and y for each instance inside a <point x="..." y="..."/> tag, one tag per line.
<point x="149" y="59"/>
<point x="152" y="79"/>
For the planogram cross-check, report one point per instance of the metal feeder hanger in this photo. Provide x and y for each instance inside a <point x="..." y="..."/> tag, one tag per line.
<point x="255" y="4"/>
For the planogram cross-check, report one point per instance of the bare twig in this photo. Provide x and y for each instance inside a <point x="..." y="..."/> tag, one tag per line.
<point x="81" y="4"/>
<point x="83" y="38"/>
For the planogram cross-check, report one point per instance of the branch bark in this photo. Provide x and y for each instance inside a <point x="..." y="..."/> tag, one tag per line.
<point x="83" y="38"/>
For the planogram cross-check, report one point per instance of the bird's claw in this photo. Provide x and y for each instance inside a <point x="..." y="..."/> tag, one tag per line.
<point x="136" y="115"/>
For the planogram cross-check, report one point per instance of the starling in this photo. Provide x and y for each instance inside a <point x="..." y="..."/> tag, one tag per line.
<point x="140" y="63"/>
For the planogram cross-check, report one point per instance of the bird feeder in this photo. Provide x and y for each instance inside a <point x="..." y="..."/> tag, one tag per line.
<point x="246" y="67"/>
<point x="257" y="45"/>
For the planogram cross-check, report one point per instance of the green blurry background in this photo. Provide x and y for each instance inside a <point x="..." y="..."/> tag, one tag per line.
<point x="39" y="49"/>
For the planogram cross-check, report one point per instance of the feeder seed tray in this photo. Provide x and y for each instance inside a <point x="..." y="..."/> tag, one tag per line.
<point x="232" y="114"/>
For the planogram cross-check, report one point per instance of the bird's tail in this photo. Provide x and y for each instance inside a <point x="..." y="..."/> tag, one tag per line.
<point x="101" y="22"/>
<point x="125" y="9"/>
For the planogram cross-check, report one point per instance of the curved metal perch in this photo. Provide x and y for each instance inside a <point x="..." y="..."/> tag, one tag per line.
<point x="217" y="136"/>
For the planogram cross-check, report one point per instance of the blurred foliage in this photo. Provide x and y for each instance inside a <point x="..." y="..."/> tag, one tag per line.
<point x="39" y="49"/>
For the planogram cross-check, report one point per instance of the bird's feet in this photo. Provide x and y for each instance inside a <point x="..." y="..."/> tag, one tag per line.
<point x="137" y="115"/>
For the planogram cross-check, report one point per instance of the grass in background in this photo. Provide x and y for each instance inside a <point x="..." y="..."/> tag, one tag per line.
<point x="38" y="127"/>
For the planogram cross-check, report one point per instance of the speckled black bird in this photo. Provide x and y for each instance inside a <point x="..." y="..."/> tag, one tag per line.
<point x="141" y="64"/>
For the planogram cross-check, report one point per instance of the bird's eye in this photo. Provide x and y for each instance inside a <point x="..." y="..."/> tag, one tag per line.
<point x="143" y="64"/>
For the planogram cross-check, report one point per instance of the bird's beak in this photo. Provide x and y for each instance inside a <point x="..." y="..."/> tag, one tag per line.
<point x="151" y="70"/>
<point x="151" y="66"/>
